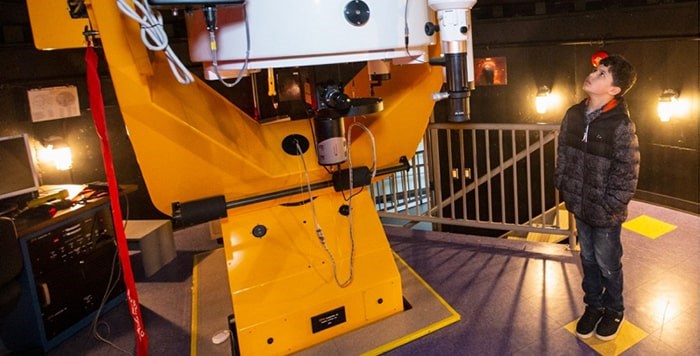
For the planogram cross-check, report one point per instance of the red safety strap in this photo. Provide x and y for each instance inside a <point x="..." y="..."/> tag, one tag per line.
<point x="98" y="116"/>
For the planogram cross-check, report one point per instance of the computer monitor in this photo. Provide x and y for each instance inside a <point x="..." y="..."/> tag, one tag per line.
<point x="17" y="171"/>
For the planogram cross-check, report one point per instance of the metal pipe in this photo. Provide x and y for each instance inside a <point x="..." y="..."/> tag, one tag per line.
<point x="476" y="176"/>
<point x="463" y="173"/>
<point x="516" y="201"/>
<point x="416" y="184"/>
<point x="542" y="197"/>
<point x="280" y="193"/>
<point x="489" y="200"/>
<point x="503" y="185"/>
<point x="529" y="179"/>
<point x="451" y="180"/>
<point x="302" y="189"/>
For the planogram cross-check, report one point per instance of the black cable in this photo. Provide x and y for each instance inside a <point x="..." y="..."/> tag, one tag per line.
<point x="353" y="194"/>
<point x="406" y="34"/>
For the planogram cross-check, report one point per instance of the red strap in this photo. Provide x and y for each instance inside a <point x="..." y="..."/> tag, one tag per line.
<point x="98" y="116"/>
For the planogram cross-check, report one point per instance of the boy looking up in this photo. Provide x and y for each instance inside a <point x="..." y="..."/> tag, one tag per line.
<point x="596" y="174"/>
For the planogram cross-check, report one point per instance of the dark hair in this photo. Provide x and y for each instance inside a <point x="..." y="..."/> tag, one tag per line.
<point x="623" y="73"/>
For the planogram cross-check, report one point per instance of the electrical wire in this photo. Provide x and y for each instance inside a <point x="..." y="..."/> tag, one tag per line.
<point x="11" y="222"/>
<point x="154" y="37"/>
<point x="374" y="157"/>
<point x="78" y="6"/>
<point x="405" y="25"/>
<point x="406" y="34"/>
<point x="126" y="211"/>
<point x="319" y="230"/>
<point x="317" y="226"/>
<point x="111" y="285"/>
<point x="214" y="49"/>
<point x="374" y="172"/>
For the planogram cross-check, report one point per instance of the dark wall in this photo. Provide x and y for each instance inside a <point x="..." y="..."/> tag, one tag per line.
<point x="23" y="68"/>
<point x="660" y="40"/>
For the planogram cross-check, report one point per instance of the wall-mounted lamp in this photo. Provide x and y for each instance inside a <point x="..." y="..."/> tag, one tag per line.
<point x="55" y="151"/>
<point x="598" y="56"/>
<point x="669" y="105"/>
<point x="543" y="100"/>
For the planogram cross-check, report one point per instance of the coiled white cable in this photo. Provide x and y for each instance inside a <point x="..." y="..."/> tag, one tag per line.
<point x="317" y="226"/>
<point x="319" y="230"/>
<point x="374" y="149"/>
<point x="374" y="172"/>
<point x="154" y="37"/>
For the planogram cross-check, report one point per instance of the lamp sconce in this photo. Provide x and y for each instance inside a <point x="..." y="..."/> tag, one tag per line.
<point x="669" y="105"/>
<point x="543" y="100"/>
<point x="55" y="151"/>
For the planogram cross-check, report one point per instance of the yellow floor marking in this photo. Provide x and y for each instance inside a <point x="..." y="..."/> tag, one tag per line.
<point x="451" y="319"/>
<point x="628" y="336"/>
<point x="649" y="227"/>
<point x="195" y="304"/>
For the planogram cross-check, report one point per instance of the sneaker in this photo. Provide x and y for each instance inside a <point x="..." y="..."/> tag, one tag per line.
<point x="609" y="325"/>
<point x="588" y="322"/>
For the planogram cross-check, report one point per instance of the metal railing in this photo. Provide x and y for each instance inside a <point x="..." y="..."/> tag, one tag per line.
<point x="497" y="177"/>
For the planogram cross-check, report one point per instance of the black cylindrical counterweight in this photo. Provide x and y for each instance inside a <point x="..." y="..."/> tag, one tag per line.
<point x="201" y="210"/>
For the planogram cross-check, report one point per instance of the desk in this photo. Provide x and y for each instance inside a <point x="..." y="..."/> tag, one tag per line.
<point x="69" y="263"/>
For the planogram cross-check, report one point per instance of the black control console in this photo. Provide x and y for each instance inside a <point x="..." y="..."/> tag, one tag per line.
<point x="70" y="262"/>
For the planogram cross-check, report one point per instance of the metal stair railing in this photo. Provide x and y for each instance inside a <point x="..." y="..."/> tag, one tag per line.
<point x="504" y="183"/>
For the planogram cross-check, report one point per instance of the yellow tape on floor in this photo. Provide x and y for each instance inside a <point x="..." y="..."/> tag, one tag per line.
<point x="628" y="336"/>
<point x="649" y="227"/>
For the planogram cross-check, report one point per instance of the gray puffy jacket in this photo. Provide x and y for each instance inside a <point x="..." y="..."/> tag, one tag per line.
<point x="598" y="177"/>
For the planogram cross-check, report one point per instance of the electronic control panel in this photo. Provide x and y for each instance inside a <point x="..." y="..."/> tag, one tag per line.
<point x="73" y="265"/>
<point x="71" y="268"/>
<point x="70" y="242"/>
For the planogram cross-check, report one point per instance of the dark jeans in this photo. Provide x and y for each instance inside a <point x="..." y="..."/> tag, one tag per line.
<point x="601" y="257"/>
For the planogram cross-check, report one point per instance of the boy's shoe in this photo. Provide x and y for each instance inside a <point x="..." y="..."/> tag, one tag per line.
<point x="609" y="325"/>
<point x="588" y="322"/>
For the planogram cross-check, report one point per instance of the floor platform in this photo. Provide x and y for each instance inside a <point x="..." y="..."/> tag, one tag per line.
<point x="211" y="305"/>
<point x="513" y="297"/>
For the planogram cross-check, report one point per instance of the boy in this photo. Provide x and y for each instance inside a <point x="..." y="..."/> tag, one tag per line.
<point x="596" y="174"/>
